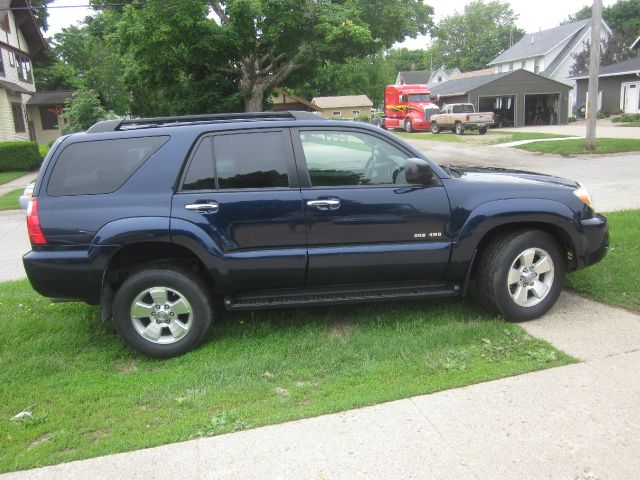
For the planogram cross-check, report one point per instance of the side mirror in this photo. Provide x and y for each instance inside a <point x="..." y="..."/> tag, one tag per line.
<point x="417" y="171"/>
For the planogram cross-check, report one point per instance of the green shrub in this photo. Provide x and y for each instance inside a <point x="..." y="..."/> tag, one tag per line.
<point x="602" y="114"/>
<point x="572" y="119"/>
<point x="627" y="117"/>
<point x="19" y="156"/>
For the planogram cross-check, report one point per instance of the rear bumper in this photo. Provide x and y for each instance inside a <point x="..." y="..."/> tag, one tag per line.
<point x="595" y="232"/>
<point x="68" y="274"/>
<point x="477" y="126"/>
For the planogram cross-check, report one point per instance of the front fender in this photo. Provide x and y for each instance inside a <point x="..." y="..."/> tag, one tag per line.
<point x="469" y="228"/>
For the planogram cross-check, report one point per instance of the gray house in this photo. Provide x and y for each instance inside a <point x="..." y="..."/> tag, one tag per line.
<point x="549" y="52"/>
<point x="517" y="98"/>
<point x="618" y="87"/>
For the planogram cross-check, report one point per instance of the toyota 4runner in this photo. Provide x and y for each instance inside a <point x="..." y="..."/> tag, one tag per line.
<point x="155" y="218"/>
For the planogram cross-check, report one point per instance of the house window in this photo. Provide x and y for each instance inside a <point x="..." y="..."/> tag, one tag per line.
<point x="1" y="63"/>
<point x="18" y="117"/>
<point x="510" y="66"/>
<point x="536" y="65"/>
<point x="499" y="69"/>
<point x="49" y="118"/>
<point x="12" y="59"/>
<point x="355" y="112"/>
<point x="24" y="69"/>
<point x="439" y="78"/>
<point x="523" y="64"/>
<point x="336" y="114"/>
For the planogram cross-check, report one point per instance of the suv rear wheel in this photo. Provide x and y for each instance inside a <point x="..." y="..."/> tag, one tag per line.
<point x="520" y="275"/>
<point x="162" y="311"/>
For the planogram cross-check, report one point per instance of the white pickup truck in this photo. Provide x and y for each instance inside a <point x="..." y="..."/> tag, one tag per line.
<point x="460" y="117"/>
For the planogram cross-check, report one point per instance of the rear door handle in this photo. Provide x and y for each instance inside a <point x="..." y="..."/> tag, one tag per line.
<point x="209" y="207"/>
<point x="325" y="203"/>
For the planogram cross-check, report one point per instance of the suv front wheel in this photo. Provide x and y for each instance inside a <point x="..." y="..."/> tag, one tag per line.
<point x="162" y="311"/>
<point x="520" y="274"/>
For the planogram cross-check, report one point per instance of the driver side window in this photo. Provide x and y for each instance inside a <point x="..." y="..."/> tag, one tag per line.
<point x="336" y="158"/>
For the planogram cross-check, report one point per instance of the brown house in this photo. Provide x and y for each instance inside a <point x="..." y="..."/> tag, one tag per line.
<point x="281" y="100"/>
<point x="344" y="107"/>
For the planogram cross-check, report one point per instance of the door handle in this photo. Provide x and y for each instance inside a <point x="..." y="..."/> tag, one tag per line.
<point x="324" y="203"/>
<point x="210" y="207"/>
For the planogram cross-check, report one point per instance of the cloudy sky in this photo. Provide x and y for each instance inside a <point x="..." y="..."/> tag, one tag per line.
<point x="533" y="15"/>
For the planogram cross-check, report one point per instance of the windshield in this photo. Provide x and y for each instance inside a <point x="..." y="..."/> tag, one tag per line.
<point x="419" y="97"/>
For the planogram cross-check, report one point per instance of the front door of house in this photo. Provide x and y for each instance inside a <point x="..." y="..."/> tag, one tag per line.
<point x="631" y="97"/>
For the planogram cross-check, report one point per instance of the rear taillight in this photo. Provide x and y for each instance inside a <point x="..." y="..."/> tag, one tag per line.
<point x="468" y="118"/>
<point x="33" y="223"/>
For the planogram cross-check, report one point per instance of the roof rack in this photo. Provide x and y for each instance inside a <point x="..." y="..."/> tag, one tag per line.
<point x="135" y="123"/>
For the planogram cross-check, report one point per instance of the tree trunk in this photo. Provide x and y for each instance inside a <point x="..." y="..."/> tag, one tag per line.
<point x="253" y="98"/>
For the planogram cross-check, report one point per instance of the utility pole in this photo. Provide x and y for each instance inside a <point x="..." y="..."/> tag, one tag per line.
<point x="594" y="70"/>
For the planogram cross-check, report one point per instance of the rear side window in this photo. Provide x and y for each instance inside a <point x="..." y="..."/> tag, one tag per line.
<point x="239" y="160"/>
<point x="90" y="168"/>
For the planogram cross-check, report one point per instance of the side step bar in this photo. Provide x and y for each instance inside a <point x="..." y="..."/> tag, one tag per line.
<point x="338" y="295"/>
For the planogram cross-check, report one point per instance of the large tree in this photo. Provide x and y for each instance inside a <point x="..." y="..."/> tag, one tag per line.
<point x="471" y="39"/>
<point x="267" y="40"/>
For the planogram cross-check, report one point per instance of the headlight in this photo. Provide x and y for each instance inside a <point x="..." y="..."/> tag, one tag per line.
<point x="583" y="195"/>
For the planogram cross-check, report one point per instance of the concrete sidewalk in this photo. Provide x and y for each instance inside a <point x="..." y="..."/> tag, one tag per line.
<point x="19" y="182"/>
<point x="574" y="422"/>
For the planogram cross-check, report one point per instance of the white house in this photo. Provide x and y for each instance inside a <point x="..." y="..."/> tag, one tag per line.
<point x="21" y="42"/>
<point x="550" y="52"/>
<point x="426" y="77"/>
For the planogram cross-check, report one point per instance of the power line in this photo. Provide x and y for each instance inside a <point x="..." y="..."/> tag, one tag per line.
<point x="97" y="7"/>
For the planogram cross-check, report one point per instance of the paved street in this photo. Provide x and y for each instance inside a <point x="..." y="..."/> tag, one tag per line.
<point x="612" y="180"/>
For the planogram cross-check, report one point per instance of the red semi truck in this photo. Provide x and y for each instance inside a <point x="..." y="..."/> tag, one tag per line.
<point x="408" y="107"/>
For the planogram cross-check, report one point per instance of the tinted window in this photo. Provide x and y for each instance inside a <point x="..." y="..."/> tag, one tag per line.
<point x="101" y="166"/>
<point x="348" y="158"/>
<point x="201" y="174"/>
<point x="251" y="160"/>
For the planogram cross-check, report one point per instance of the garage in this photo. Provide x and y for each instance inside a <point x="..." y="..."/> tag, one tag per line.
<point x="503" y="108"/>
<point x="541" y="109"/>
<point x="516" y="98"/>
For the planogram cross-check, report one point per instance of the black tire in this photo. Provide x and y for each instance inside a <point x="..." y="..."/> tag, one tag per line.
<point x="458" y="128"/>
<point x="408" y="126"/>
<point x="495" y="263"/>
<point x="435" y="128"/>
<point x="483" y="131"/>
<point x="173" y="278"/>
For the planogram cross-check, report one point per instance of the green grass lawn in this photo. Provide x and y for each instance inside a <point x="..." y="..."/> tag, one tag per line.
<point x="6" y="177"/>
<point x="441" y="137"/>
<point x="517" y="136"/>
<point x="631" y="124"/>
<point x="577" y="146"/>
<point x="90" y="395"/>
<point x="9" y="201"/>
<point x="616" y="279"/>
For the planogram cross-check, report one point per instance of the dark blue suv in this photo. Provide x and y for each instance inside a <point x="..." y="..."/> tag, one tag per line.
<point x="154" y="218"/>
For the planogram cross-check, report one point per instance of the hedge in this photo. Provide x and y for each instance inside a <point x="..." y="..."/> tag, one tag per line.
<point x="17" y="156"/>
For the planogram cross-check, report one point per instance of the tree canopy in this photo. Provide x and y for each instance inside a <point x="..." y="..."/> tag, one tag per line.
<point x="471" y="39"/>
<point x="157" y="57"/>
